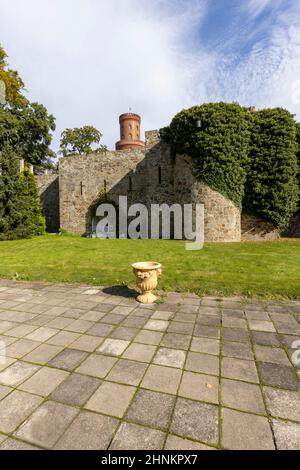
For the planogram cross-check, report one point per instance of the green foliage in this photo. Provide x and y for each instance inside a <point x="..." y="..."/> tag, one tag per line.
<point x="20" y="210"/>
<point x="34" y="219"/>
<point x="26" y="127"/>
<point x="251" y="158"/>
<point x="12" y="211"/>
<point x="219" y="149"/>
<point x="272" y="188"/>
<point x="28" y="130"/>
<point x="34" y="129"/>
<point x="14" y="85"/>
<point x="80" y="140"/>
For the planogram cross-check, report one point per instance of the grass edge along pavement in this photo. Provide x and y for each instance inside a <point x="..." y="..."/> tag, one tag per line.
<point x="254" y="269"/>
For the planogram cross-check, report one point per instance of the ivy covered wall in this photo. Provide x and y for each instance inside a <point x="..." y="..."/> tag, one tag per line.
<point x="249" y="157"/>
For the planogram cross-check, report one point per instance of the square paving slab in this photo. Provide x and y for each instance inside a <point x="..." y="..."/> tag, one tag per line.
<point x="82" y="369"/>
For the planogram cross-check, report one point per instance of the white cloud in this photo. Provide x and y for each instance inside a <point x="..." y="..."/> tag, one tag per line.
<point x="88" y="60"/>
<point x="268" y="75"/>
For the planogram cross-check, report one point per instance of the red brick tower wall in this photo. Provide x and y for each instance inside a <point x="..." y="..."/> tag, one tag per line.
<point x="130" y="131"/>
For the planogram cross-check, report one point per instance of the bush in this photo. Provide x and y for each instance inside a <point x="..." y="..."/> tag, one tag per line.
<point x="272" y="188"/>
<point x="298" y="149"/>
<point x="12" y="210"/>
<point x="219" y="149"/>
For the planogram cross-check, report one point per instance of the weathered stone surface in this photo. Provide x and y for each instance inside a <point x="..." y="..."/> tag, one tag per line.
<point x="109" y="384"/>
<point x="17" y="373"/>
<point x="242" y="431"/>
<point x="134" y="437"/>
<point x="70" y="197"/>
<point x="276" y="375"/>
<point x="76" y="390"/>
<point x="68" y="359"/>
<point x="47" y="424"/>
<point x="283" y="404"/>
<point x="127" y="372"/>
<point x="178" y="443"/>
<point x="14" y="444"/>
<point x="44" y="381"/>
<point x="170" y="357"/>
<point x="199" y="387"/>
<point x="111" y="399"/>
<point x="287" y="435"/>
<point x="88" y="432"/>
<point x="242" y="396"/>
<point x="151" y="409"/>
<point x="15" y="408"/>
<point x="162" y="379"/>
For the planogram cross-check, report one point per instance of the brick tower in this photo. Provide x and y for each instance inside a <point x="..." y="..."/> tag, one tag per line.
<point x="130" y="128"/>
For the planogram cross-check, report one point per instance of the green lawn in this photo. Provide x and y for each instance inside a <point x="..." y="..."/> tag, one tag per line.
<point x="268" y="269"/>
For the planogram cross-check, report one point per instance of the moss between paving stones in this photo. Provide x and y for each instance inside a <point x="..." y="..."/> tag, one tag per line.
<point x="219" y="445"/>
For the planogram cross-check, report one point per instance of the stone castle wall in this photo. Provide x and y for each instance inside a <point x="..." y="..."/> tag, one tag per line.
<point x="48" y="186"/>
<point x="147" y="176"/>
<point x="222" y="219"/>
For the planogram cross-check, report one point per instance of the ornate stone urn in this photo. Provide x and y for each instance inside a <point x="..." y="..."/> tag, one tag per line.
<point x="146" y="278"/>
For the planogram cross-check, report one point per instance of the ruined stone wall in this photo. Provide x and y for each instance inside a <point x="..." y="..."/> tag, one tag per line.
<point x="144" y="176"/>
<point x="222" y="219"/>
<point x="83" y="179"/>
<point x="48" y="187"/>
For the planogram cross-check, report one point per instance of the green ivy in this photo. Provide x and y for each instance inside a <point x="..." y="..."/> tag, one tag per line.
<point x="20" y="208"/>
<point x="248" y="157"/>
<point x="220" y="148"/>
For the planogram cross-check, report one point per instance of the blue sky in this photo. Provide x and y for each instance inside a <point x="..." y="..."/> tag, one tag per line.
<point x="89" y="60"/>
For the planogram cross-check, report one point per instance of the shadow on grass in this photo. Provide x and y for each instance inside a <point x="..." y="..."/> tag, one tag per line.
<point x="122" y="291"/>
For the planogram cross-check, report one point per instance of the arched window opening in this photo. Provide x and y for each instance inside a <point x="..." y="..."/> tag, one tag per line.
<point x="159" y="175"/>
<point x="130" y="136"/>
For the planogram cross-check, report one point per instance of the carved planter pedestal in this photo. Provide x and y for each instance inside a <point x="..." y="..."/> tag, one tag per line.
<point x="147" y="274"/>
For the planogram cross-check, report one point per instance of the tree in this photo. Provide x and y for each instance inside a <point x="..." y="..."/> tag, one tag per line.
<point x="34" y="219"/>
<point x="14" y="84"/>
<point x="80" y="140"/>
<point x="272" y="190"/>
<point x="25" y="126"/>
<point x="12" y="211"/>
<point x="34" y="133"/>
<point x="298" y="150"/>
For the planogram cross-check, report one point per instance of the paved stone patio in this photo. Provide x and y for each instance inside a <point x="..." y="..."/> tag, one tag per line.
<point x="92" y="369"/>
